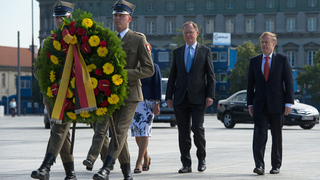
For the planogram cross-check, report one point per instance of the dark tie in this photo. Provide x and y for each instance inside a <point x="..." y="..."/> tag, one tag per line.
<point x="189" y="59"/>
<point x="266" y="68"/>
<point x="119" y="36"/>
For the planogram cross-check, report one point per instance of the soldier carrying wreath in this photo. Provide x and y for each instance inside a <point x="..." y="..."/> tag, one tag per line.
<point x="81" y="74"/>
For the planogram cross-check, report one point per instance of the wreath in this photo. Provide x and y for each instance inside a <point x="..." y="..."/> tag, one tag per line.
<point x="104" y="60"/>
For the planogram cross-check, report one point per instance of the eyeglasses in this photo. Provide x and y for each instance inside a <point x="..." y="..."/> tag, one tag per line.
<point x="190" y="32"/>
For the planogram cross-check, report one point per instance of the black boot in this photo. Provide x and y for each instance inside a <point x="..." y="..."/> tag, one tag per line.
<point x="104" y="172"/>
<point x="69" y="169"/>
<point x="126" y="171"/>
<point x="111" y="167"/>
<point x="43" y="171"/>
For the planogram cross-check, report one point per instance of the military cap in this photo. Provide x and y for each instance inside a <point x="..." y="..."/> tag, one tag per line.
<point x="62" y="8"/>
<point x="123" y="7"/>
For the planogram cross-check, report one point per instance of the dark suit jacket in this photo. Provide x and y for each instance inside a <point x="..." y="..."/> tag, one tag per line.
<point x="200" y="82"/>
<point x="277" y="91"/>
<point x="151" y="86"/>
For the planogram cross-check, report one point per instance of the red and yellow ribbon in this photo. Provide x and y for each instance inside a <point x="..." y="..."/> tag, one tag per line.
<point x="84" y="94"/>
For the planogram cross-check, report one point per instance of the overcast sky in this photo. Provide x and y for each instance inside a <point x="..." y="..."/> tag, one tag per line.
<point x="16" y="16"/>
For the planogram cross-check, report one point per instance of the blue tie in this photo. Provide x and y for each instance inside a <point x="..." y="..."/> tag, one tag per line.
<point x="189" y="59"/>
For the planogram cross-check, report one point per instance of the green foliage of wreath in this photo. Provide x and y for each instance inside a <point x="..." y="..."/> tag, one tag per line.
<point x="104" y="57"/>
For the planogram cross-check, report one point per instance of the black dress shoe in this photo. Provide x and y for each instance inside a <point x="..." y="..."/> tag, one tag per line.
<point x="185" y="169"/>
<point x="88" y="164"/>
<point x="202" y="165"/>
<point x="275" y="171"/>
<point x="259" y="170"/>
<point x="103" y="174"/>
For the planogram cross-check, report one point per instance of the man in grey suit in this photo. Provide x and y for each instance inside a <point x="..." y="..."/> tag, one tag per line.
<point x="191" y="88"/>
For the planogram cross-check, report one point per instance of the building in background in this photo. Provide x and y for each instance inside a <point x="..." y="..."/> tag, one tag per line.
<point x="296" y="22"/>
<point x="9" y="74"/>
<point x="9" y="69"/>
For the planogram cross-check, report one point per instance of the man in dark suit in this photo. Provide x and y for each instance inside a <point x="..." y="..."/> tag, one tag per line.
<point x="190" y="89"/>
<point x="270" y="95"/>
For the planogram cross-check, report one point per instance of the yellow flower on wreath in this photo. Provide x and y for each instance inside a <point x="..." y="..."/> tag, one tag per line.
<point x="72" y="115"/>
<point x="94" y="41"/>
<point x="94" y="82"/>
<point x="49" y="92"/>
<point x="116" y="79"/>
<point x="91" y="67"/>
<point x="102" y="51"/>
<point x="113" y="99"/>
<point x="85" y="114"/>
<point x="57" y="45"/>
<point x="52" y="76"/>
<point x="69" y="93"/>
<point x="87" y="22"/>
<point x="54" y="59"/>
<point x="73" y="82"/>
<point x="101" y="111"/>
<point x="108" y="68"/>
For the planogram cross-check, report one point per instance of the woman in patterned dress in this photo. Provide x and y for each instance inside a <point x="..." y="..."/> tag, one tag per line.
<point x="141" y="124"/>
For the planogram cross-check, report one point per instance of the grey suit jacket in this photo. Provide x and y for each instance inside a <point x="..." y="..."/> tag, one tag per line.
<point x="199" y="82"/>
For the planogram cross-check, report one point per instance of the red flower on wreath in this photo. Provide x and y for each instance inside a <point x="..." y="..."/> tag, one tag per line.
<point x="48" y="54"/>
<point x="85" y="48"/>
<point x="98" y="72"/>
<point x="71" y="25"/>
<point x="53" y="36"/>
<point x="107" y="92"/>
<point x="96" y="91"/>
<point x="85" y="39"/>
<point x="64" y="46"/>
<point x="81" y="31"/>
<point x="63" y="43"/>
<point x="104" y="103"/>
<point x="103" y="85"/>
<point x="73" y="30"/>
<point x="54" y="89"/>
<point x="103" y="43"/>
<point x="68" y="105"/>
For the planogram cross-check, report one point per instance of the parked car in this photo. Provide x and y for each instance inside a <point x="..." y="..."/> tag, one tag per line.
<point x="46" y="119"/>
<point x="166" y="114"/>
<point x="234" y="110"/>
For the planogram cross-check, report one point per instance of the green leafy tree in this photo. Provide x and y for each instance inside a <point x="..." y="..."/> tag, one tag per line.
<point x="238" y="76"/>
<point x="310" y="78"/>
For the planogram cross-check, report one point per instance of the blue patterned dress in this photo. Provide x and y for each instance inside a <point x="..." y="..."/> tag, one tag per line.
<point x="141" y="124"/>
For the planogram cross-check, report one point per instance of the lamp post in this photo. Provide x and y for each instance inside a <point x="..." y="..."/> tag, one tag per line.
<point x="7" y="101"/>
<point x="19" y="80"/>
<point x="32" y="60"/>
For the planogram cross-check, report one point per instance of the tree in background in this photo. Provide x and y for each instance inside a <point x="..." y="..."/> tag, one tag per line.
<point x="310" y="79"/>
<point x="238" y="76"/>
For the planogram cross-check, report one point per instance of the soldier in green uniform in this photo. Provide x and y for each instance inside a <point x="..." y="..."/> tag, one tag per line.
<point x="100" y="144"/>
<point x="59" y="141"/>
<point x="139" y="65"/>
